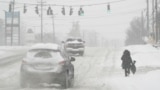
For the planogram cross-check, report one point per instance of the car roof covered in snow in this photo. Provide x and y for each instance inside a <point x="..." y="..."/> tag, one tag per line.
<point x="45" y="46"/>
<point x="73" y="38"/>
<point x="75" y="42"/>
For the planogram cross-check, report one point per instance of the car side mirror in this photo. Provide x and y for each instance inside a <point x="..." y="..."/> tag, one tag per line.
<point x="72" y="59"/>
<point x="62" y="42"/>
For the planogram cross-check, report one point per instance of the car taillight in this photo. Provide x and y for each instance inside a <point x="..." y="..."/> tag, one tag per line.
<point x="24" y="62"/>
<point x="62" y="62"/>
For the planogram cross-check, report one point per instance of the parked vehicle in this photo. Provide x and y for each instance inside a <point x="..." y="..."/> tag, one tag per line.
<point x="74" y="46"/>
<point x="45" y="63"/>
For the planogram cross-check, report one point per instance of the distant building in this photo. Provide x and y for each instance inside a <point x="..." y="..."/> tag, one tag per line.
<point x="30" y="37"/>
<point x="2" y="39"/>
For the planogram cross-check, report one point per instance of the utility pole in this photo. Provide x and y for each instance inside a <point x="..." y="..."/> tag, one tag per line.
<point x="41" y="20"/>
<point x="5" y="29"/>
<point x="148" y="16"/>
<point x="41" y="5"/>
<point x="12" y="22"/>
<point x="156" y="10"/>
<point x="142" y="20"/>
<point x="54" y="37"/>
<point x="153" y="20"/>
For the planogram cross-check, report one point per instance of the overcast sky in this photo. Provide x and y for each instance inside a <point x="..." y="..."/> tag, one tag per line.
<point x="111" y="24"/>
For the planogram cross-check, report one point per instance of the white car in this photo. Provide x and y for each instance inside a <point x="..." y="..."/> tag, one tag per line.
<point x="45" y="63"/>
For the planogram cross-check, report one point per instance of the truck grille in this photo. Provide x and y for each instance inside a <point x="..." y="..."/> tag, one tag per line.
<point x="75" y="45"/>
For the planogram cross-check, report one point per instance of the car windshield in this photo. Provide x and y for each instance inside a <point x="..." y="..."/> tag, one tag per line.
<point x="80" y="40"/>
<point x="70" y="39"/>
<point x="44" y="53"/>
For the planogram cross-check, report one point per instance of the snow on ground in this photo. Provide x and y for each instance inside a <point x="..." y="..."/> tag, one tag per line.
<point x="105" y="73"/>
<point x="100" y="69"/>
<point x="148" y="69"/>
<point x="145" y="55"/>
<point x="13" y="48"/>
<point x="149" y="81"/>
<point x="6" y="51"/>
<point x="2" y="53"/>
<point x="9" y="68"/>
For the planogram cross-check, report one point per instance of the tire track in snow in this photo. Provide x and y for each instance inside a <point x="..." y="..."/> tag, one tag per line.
<point x="9" y="77"/>
<point x="110" y="71"/>
<point x="90" y="67"/>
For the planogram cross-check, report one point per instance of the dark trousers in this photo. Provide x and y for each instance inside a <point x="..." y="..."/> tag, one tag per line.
<point x="127" y="71"/>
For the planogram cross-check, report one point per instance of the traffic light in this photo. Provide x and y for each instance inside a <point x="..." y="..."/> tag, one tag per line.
<point x="10" y="7"/>
<point x="71" y="11"/>
<point x="80" y="12"/>
<point x="63" y="11"/>
<point x="37" y="12"/>
<point x="24" y="9"/>
<point x="49" y="11"/>
<point x="108" y="7"/>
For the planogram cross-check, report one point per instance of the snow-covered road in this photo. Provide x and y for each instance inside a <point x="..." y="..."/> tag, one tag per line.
<point x="98" y="69"/>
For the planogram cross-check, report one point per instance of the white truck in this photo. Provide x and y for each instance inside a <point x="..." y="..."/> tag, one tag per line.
<point x="74" y="46"/>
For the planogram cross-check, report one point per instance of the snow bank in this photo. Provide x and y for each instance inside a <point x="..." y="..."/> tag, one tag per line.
<point x="2" y="52"/>
<point x="145" y="55"/>
<point x="152" y="80"/>
<point x="141" y="48"/>
<point x="149" y="81"/>
<point x="6" y="51"/>
<point x="13" y="48"/>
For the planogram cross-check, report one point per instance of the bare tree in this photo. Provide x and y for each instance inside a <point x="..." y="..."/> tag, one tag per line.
<point x="75" y="31"/>
<point x="136" y="32"/>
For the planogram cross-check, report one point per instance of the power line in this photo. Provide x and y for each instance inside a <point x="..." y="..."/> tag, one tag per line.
<point x="95" y="17"/>
<point x="105" y="3"/>
<point x="95" y="4"/>
<point x="18" y="3"/>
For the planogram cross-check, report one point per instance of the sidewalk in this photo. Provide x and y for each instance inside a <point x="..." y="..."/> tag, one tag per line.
<point x="7" y="52"/>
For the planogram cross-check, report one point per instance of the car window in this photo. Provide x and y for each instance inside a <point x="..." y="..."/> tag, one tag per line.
<point x="70" y="39"/>
<point x="45" y="53"/>
<point x="36" y="50"/>
<point x="80" y="40"/>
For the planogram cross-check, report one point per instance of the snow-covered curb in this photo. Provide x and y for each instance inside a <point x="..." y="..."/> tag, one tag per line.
<point x="8" y="51"/>
<point x="149" y="81"/>
<point x="145" y="55"/>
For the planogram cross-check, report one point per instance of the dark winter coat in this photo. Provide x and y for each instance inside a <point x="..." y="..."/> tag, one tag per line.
<point x="126" y="59"/>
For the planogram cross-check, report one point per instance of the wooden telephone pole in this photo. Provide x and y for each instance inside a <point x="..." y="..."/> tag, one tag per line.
<point x="148" y="17"/>
<point x="156" y="11"/>
<point x="13" y="3"/>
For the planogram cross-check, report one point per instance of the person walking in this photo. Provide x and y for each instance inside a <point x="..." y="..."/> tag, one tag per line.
<point x="126" y="62"/>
